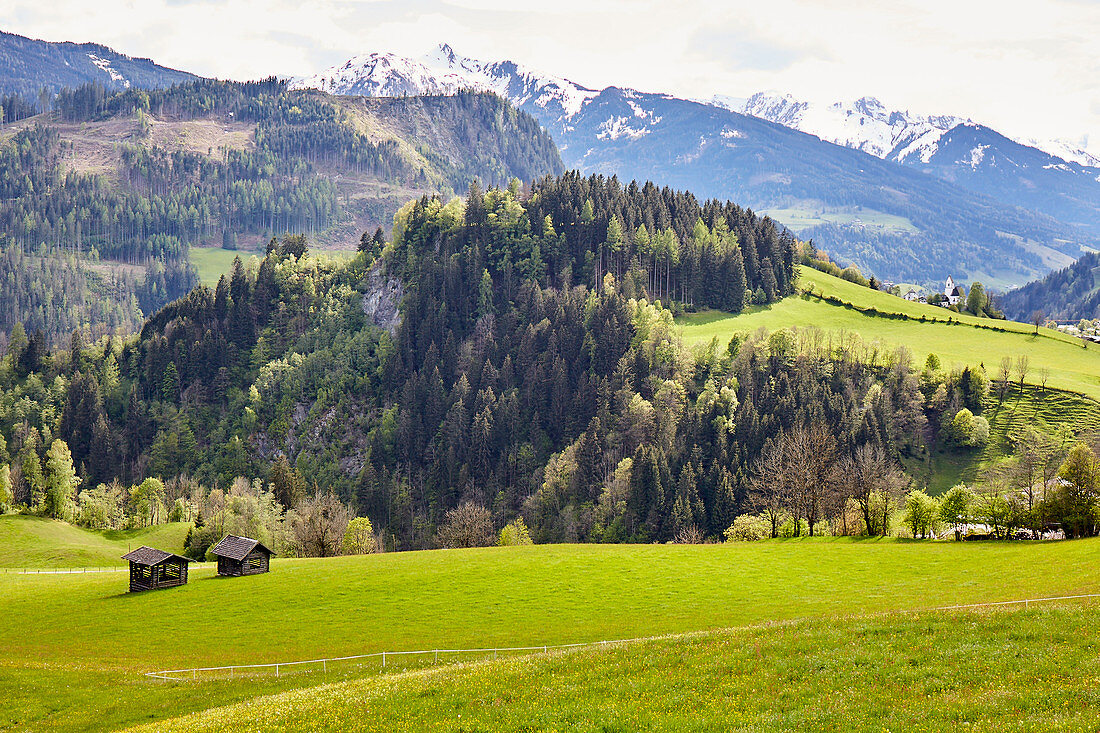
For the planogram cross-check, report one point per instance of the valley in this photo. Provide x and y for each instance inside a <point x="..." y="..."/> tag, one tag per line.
<point x="426" y="392"/>
<point x="493" y="597"/>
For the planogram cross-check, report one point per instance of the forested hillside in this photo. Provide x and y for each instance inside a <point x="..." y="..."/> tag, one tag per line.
<point x="32" y="66"/>
<point x="1069" y="294"/>
<point x="530" y="370"/>
<point x="137" y="177"/>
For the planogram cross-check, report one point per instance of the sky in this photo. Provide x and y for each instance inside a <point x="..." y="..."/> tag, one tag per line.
<point x="1027" y="69"/>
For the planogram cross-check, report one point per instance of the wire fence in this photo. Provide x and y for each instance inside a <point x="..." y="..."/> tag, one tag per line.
<point x="81" y="571"/>
<point x="62" y="571"/>
<point x="323" y="664"/>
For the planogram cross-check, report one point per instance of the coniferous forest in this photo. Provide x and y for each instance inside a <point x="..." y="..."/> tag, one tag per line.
<point x="514" y="350"/>
<point x="146" y="213"/>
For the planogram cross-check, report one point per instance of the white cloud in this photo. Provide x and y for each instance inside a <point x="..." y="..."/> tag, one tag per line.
<point x="1029" y="68"/>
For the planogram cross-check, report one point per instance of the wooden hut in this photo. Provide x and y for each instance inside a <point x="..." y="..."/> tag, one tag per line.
<point x="242" y="556"/>
<point x="151" y="569"/>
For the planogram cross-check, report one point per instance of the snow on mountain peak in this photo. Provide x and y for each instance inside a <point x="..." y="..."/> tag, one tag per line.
<point x="865" y="124"/>
<point x="443" y="71"/>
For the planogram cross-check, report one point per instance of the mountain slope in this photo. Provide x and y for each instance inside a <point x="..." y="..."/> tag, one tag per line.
<point x="29" y="65"/>
<point x="223" y="164"/>
<point x="1068" y="294"/>
<point x="960" y="151"/>
<point x="889" y="219"/>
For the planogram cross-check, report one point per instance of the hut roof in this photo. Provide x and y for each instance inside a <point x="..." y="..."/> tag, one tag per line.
<point x="151" y="556"/>
<point x="237" y="548"/>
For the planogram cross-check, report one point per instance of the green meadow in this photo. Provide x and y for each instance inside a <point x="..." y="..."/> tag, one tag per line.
<point x="213" y="262"/>
<point x="34" y="542"/>
<point x="86" y="635"/>
<point x="971" y="341"/>
<point x="978" y="671"/>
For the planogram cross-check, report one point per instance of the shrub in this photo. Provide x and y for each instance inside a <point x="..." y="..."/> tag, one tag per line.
<point x="358" y="537"/>
<point x="748" y="528"/>
<point x="965" y="430"/>
<point x="515" y="533"/>
<point x="469" y="525"/>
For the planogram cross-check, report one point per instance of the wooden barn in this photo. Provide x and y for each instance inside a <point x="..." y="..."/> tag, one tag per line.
<point x="151" y="569"/>
<point x="242" y="556"/>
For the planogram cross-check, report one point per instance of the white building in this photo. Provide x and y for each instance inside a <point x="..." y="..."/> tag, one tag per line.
<point x="954" y="293"/>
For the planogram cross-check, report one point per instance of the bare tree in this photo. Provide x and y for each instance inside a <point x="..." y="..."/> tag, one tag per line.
<point x="318" y="525"/>
<point x="769" y="492"/>
<point x="1023" y="366"/>
<point x="1044" y="377"/>
<point x="1037" y="318"/>
<point x="468" y="525"/>
<point x="810" y="454"/>
<point x="875" y="482"/>
<point x="861" y="473"/>
<point x="1006" y="376"/>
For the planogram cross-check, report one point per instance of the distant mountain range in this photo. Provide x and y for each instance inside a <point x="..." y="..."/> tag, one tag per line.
<point x="904" y="196"/>
<point x="907" y="197"/>
<point x="961" y="151"/>
<point x="28" y="65"/>
<point x="867" y="124"/>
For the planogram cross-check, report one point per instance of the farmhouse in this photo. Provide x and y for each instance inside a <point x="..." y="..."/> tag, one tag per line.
<point x="242" y="556"/>
<point x="911" y="296"/>
<point x="151" y="569"/>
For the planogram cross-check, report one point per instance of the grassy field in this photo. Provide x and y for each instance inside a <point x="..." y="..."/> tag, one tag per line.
<point x="86" y="635"/>
<point x="213" y="262"/>
<point x="33" y="542"/>
<point x="1072" y="367"/>
<point x="1022" y="670"/>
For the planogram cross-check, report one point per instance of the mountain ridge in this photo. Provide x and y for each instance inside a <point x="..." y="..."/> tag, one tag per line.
<point x="857" y="205"/>
<point x="32" y="64"/>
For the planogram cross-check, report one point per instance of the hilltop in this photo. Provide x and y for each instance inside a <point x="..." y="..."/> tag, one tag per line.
<point x="1061" y="387"/>
<point x="30" y="65"/>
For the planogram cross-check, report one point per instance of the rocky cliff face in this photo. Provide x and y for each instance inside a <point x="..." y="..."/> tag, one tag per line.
<point x="382" y="300"/>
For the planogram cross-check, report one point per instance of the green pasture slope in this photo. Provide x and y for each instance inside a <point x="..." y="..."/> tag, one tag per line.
<point x="83" y="643"/>
<point x="213" y="262"/>
<point x="34" y="542"/>
<point x="1054" y="412"/>
<point x="1020" y="670"/>
<point x="970" y="342"/>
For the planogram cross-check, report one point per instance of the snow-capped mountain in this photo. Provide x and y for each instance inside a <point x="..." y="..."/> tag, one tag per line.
<point x="868" y="125"/>
<point x="442" y="71"/>
<point x="865" y="124"/>
<point x="1074" y="151"/>
<point x="941" y="212"/>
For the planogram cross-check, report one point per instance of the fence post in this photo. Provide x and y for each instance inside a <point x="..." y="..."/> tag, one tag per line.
<point x="436" y="657"/>
<point x="383" y="660"/>
<point x="324" y="665"/>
